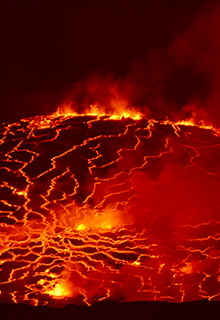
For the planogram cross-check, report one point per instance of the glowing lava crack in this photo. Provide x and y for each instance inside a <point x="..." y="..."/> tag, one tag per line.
<point x="94" y="208"/>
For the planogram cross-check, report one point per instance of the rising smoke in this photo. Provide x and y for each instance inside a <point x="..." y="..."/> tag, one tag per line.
<point x="178" y="82"/>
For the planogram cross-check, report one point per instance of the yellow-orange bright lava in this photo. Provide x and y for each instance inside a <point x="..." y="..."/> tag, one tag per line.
<point x="108" y="207"/>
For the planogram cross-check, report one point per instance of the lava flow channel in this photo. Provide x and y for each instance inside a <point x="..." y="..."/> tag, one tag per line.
<point x="94" y="208"/>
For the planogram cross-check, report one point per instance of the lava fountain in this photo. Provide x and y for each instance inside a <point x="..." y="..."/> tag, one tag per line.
<point x="118" y="208"/>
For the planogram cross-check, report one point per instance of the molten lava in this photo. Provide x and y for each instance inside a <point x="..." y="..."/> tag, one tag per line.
<point x="97" y="207"/>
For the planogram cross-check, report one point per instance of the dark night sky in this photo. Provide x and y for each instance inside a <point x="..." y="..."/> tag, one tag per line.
<point x="46" y="46"/>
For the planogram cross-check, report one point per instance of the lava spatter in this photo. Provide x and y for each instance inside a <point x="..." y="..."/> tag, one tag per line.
<point x="97" y="207"/>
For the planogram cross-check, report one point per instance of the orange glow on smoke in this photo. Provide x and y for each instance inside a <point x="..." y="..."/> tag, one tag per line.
<point x="108" y="207"/>
<point x="187" y="269"/>
<point x="94" y="110"/>
<point x="106" y="220"/>
<point x="59" y="291"/>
